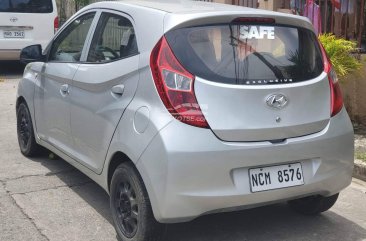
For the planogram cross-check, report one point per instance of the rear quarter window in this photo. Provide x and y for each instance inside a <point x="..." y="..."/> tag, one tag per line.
<point x="26" y="6"/>
<point x="248" y="54"/>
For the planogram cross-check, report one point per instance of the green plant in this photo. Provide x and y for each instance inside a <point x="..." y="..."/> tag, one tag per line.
<point x="340" y="51"/>
<point x="360" y="156"/>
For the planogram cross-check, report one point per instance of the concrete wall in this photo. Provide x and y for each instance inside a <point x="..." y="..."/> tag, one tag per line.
<point x="354" y="94"/>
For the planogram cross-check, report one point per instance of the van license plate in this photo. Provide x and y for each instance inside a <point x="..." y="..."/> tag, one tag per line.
<point x="275" y="177"/>
<point x="14" y="34"/>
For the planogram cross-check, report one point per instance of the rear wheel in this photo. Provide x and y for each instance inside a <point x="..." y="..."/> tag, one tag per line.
<point x="131" y="209"/>
<point x="27" y="142"/>
<point x="313" y="205"/>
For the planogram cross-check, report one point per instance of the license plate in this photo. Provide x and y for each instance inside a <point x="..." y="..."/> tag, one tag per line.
<point x="14" y="34"/>
<point x="275" y="177"/>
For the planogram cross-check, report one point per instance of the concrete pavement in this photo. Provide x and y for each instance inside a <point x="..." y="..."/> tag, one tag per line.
<point x="44" y="199"/>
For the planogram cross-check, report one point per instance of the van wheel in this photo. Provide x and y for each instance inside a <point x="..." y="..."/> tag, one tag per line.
<point x="27" y="142"/>
<point x="131" y="209"/>
<point x="313" y="205"/>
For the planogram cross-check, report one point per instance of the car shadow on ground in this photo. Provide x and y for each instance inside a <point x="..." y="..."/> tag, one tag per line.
<point x="12" y="69"/>
<point x="275" y="222"/>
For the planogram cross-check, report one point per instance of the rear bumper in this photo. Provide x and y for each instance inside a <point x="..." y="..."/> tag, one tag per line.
<point x="10" y="54"/>
<point x="189" y="172"/>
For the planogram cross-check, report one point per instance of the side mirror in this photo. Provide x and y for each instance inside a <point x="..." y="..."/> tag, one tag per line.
<point x="32" y="53"/>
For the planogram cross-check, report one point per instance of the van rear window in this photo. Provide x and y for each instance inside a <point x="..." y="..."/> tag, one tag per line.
<point x="26" y="6"/>
<point x="248" y="54"/>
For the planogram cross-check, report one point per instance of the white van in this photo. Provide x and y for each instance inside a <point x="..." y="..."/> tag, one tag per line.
<point x="24" y="23"/>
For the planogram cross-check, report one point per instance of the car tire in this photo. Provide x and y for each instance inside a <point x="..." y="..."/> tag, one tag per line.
<point x="26" y="138"/>
<point x="313" y="205"/>
<point x="131" y="209"/>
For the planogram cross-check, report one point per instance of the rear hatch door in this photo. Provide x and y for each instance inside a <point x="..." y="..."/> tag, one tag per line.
<point x="256" y="82"/>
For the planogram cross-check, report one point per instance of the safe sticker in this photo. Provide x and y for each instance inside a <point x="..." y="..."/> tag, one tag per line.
<point x="257" y="32"/>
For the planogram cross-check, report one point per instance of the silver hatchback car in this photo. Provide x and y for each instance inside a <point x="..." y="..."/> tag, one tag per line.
<point x="180" y="109"/>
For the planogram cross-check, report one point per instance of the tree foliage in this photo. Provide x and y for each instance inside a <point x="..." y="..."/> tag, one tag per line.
<point x="80" y="3"/>
<point x="340" y="52"/>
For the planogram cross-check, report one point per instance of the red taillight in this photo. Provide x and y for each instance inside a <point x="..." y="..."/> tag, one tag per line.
<point x="335" y="89"/>
<point x="56" y="24"/>
<point x="175" y="86"/>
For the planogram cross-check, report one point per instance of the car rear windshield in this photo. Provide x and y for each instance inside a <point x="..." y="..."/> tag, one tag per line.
<point x="248" y="54"/>
<point x="26" y="6"/>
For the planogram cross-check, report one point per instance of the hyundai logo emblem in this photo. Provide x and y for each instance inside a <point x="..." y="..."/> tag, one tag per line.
<point x="277" y="101"/>
<point x="13" y="19"/>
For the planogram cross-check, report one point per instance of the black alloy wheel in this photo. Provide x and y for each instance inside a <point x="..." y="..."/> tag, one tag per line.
<point x="26" y="139"/>
<point x="130" y="206"/>
<point x="127" y="209"/>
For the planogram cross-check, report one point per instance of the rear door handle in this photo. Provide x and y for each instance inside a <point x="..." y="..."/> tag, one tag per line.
<point x="118" y="90"/>
<point x="65" y="89"/>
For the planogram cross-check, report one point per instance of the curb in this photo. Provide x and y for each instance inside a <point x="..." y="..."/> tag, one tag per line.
<point x="359" y="170"/>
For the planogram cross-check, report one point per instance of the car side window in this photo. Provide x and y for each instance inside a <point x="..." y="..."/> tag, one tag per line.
<point x="69" y="45"/>
<point x="113" y="39"/>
